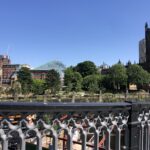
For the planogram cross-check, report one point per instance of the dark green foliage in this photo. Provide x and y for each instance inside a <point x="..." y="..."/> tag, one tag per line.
<point x="137" y="75"/>
<point x="25" y="78"/>
<point x="72" y="80"/>
<point x="52" y="81"/>
<point x="92" y="83"/>
<point x="38" y="86"/>
<point x="86" y="68"/>
<point x="76" y="81"/>
<point x="118" y="76"/>
<point x="107" y="83"/>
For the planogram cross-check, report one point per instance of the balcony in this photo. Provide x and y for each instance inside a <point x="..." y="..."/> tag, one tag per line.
<point x="75" y="126"/>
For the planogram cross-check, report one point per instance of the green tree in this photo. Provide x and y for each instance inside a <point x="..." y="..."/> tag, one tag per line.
<point x="107" y="82"/>
<point x="76" y="82"/>
<point x="118" y="76"/>
<point x="68" y="75"/>
<point x="72" y="80"/>
<point x="86" y="68"/>
<point x="137" y="75"/>
<point x="52" y="81"/>
<point x="38" y="86"/>
<point x="92" y="83"/>
<point x="25" y="78"/>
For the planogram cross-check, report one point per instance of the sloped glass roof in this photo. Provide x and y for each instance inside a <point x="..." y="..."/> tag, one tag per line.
<point x="56" y="65"/>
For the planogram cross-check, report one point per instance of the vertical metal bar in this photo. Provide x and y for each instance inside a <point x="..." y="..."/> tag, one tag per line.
<point x="64" y="142"/>
<point x="96" y="140"/>
<point x="118" y="139"/>
<point x="4" y="140"/>
<point x="84" y="139"/>
<point x="23" y="144"/>
<point x="108" y="139"/>
<point x="126" y="138"/>
<point x="39" y="142"/>
<point x="55" y="141"/>
<point x="22" y="140"/>
<point x="148" y="136"/>
<point x="69" y="142"/>
<point x="5" y="144"/>
<point x="142" y="136"/>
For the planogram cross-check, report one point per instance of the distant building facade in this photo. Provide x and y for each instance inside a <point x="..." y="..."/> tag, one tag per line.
<point x="8" y="71"/>
<point x="39" y="74"/>
<point x="104" y="69"/>
<point x="4" y="60"/>
<point x="144" y="50"/>
<point x="147" y="43"/>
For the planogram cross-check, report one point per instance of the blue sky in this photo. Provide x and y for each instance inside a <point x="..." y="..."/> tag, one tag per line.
<point x="72" y="31"/>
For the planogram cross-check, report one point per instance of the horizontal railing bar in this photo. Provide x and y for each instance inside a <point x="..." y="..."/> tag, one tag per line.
<point x="54" y="107"/>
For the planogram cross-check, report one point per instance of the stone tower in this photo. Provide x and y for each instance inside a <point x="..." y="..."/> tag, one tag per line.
<point x="147" y="43"/>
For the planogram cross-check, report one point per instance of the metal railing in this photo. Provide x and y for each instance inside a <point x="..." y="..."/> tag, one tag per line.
<point x="80" y="126"/>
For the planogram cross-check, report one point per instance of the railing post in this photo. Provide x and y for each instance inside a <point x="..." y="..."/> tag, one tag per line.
<point x="84" y="139"/>
<point x="96" y="140"/>
<point x="23" y="144"/>
<point x="118" y="137"/>
<point x="133" y="124"/>
<point x="69" y="141"/>
<point x="4" y="140"/>
<point x="126" y="138"/>
<point x="108" y="139"/>
<point x="55" y="141"/>
<point x="39" y="141"/>
<point x="148" y="136"/>
<point x="142" y="136"/>
<point x="5" y="144"/>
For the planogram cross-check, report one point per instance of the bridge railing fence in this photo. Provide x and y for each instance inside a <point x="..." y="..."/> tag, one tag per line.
<point x="82" y="126"/>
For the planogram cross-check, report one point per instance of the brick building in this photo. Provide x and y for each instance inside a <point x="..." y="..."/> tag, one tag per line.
<point x="39" y="74"/>
<point x="8" y="71"/>
<point x="4" y="60"/>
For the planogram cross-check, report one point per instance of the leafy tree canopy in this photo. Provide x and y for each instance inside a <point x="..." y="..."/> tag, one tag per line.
<point x="137" y="75"/>
<point x="52" y="81"/>
<point x="86" y="68"/>
<point x="25" y="78"/>
<point x="92" y="83"/>
<point x="38" y="86"/>
<point x="72" y="80"/>
<point x="118" y="76"/>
